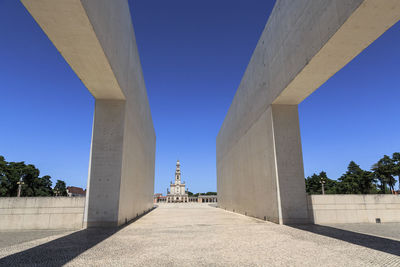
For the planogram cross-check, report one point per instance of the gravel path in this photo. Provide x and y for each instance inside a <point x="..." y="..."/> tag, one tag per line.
<point x="198" y="234"/>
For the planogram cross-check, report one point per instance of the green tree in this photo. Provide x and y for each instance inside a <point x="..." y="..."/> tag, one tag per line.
<point x="205" y="194"/>
<point x="314" y="186"/>
<point x="396" y="161"/>
<point x="13" y="171"/>
<point x="60" y="189"/>
<point x="356" y="181"/>
<point x="31" y="180"/>
<point x="33" y="185"/>
<point x="190" y="194"/>
<point x="3" y="178"/>
<point x="384" y="170"/>
<point x="43" y="187"/>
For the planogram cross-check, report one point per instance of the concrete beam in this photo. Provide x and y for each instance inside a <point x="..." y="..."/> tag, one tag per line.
<point x="68" y="26"/>
<point x="304" y="43"/>
<point x="369" y="21"/>
<point x="97" y="39"/>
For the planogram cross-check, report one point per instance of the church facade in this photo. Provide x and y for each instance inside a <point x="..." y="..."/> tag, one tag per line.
<point x="177" y="191"/>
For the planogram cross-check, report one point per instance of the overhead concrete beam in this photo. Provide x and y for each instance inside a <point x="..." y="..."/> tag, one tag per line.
<point x="304" y="43"/>
<point x="97" y="39"/>
<point x="68" y="26"/>
<point x="369" y="21"/>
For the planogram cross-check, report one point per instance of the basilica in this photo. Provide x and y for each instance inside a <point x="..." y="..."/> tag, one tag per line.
<point x="177" y="191"/>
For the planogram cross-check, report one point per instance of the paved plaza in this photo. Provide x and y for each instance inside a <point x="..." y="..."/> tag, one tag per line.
<point x="191" y="234"/>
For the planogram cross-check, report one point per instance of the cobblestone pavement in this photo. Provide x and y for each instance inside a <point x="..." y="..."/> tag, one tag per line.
<point x="197" y="234"/>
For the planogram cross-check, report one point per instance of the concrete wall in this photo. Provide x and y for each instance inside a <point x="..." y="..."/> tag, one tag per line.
<point x="327" y="209"/>
<point x="41" y="213"/>
<point x="304" y="43"/>
<point x="97" y="39"/>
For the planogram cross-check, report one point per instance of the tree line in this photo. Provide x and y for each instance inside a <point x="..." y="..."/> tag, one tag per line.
<point x="381" y="179"/>
<point x="190" y="194"/>
<point x="11" y="173"/>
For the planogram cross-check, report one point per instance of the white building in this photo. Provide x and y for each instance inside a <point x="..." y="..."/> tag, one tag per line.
<point x="177" y="192"/>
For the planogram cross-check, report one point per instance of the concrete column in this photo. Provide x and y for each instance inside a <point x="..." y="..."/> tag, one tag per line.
<point x="105" y="168"/>
<point x="291" y="192"/>
<point x="262" y="175"/>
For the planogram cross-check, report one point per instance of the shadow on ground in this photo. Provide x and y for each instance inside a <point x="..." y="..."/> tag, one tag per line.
<point x="64" y="249"/>
<point x="13" y="237"/>
<point x="369" y="241"/>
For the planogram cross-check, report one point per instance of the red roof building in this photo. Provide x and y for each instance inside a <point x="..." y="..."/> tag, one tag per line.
<point x="74" y="191"/>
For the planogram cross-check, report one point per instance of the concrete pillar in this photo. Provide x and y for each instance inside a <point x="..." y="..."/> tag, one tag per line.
<point x="105" y="168"/>
<point x="291" y="192"/>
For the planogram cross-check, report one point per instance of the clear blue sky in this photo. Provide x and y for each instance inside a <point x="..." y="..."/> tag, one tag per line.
<point x="193" y="54"/>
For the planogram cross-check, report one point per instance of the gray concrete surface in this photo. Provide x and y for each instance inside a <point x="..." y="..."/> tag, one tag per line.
<point x="304" y="43"/>
<point x="331" y="209"/>
<point x="41" y="213"/>
<point x="194" y="234"/>
<point x="386" y="230"/>
<point x="97" y="40"/>
<point x="12" y="237"/>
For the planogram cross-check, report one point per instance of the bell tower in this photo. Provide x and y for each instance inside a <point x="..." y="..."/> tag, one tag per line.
<point x="178" y="173"/>
<point x="177" y="192"/>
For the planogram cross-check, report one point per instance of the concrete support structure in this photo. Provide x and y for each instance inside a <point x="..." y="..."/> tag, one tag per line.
<point x="305" y="42"/>
<point x="330" y="209"/>
<point x="41" y="213"/>
<point x="97" y="40"/>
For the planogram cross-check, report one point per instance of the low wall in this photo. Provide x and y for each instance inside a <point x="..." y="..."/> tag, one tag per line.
<point x="327" y="209"/>
<point x="36" y="213"/>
